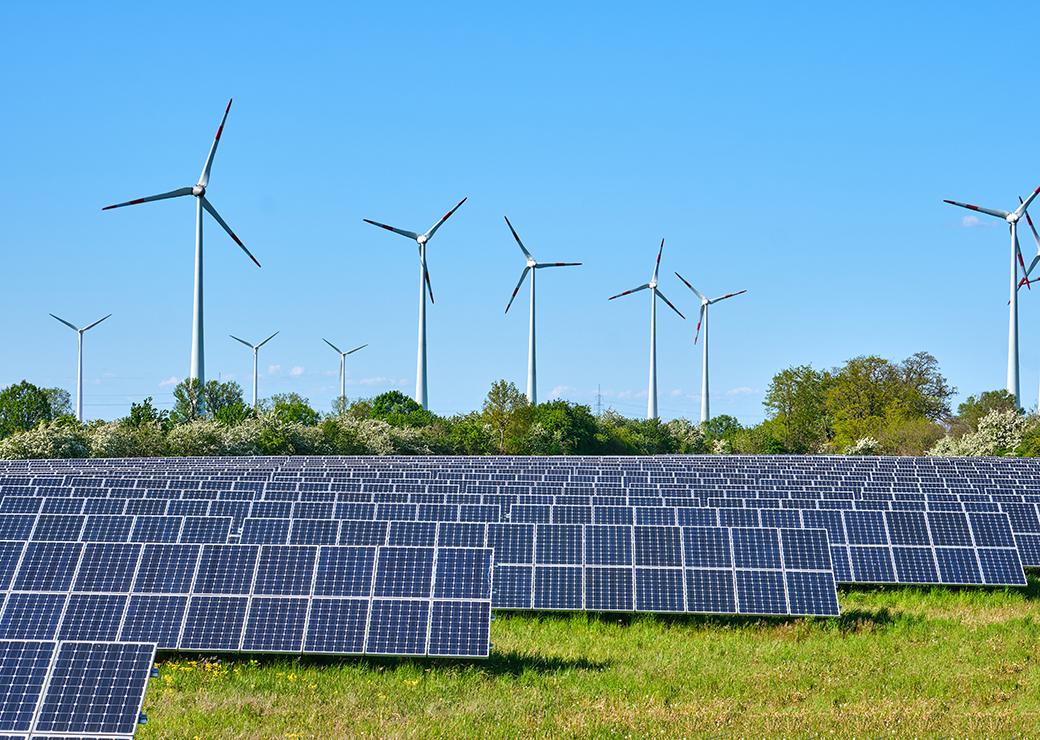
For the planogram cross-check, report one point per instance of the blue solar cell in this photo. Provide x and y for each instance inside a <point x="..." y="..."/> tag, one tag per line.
<point x="314" y="532"/>
<point x="558" y="587"/>
<point x="155" y="619"/>
<point x="513" y="543"/>
<point x="706" y="547"/>
<point x="336" y="626"/>
<point x="58" y="528"/>
<point x="756" y="548"/>
<point x="156" y="529"/>
<point x="658" y="546"/>
<point x="398" y="627"/>
<point x="866" y="528"/>
<point x="186" y="508"/>
<point x="285" y="570"/>
<point x="258" y="531"/>
<point x="608" y="545"/>
<point x="275" y="625"/>
<point x="559" y="544"/>
<point x="957" y="565"/>
<point x="414" y="534"/>
<point x="659" y="589"/>
<point x="805" y="549"/>
<point x="23" y="673"/>
<point x="811" y="593"/>
<point x="789" y="518"/>
<point x="166" y="569"/>
<point x="513" y="587"/>
<point x="92" y="617"/>
<point x="462" y="573"/>
<point x="478" y="513"/>
<point x="47" y="566"/>
<point x="1001" y="566"/>
<point x="460" y="629"/>
<point x="10" y="554"/>
<point x="461" y="534"/>
<point x="206" y="529"/>
<point x="21" y="504"/>
<point x="915" y="565"/>
<point x="107" y="528"/>
<point x="710" y="591"/>
<point x="107" y="567"/>
<point x="214" y="623"/>
<point x="404" y="572"/>
<point x="31" y="616"/>
<point x="226" y="569"/>
<point x="949" y="528"/>
<point x="832" y="521"/>
<point x="609" y="589"/>
<point x="871" y="565"/>
<point x="16" y="526"/>
<point x="1029" y="549"/>
<point x="612" y="515"/>
<point x="761" y="592"/>
<point x="95" y="688"/>
<point x="355" y="510"/>
<point x="531" y="513"/>
<point x="363" y="532"/>
<point x="344" y="571"/>
<point x="696" y="517"/>
<point x="738" y="517"/>
<point x="991" y="530"/>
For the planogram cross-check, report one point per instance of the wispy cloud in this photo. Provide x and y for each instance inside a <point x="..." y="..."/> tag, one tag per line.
<point x="741" y="390"/>
<point x="297" y="371"/>
<point x="969" y="221"/>
<point x="172" y="380"/>
<point x="558" y="391"/>
<point x="274" y="369"/>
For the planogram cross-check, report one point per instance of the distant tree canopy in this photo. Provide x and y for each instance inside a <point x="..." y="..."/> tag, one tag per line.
<point x="868" y="405"/>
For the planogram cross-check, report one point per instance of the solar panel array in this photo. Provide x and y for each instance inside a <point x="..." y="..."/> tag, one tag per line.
<point x="50" y="688"/>
<point x="262" y="598"/>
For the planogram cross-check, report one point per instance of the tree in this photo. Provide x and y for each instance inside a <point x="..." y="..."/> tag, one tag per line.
<point x="397" y="409"/>
<point x="720" y="427"/>
<point x="22" y="407"/>
<point x="797" y="402"/>
<point x="506" y="412"/>
<point x="572" y="426"/>
<point x="192" y="401"/>
<point x="927" y="392"/>
<point x="187" y="401"/>
<point x="145" y="413"/>
<point x="975" y="407"/>
<point x="59" y="400"/>
<point x="293" y="407"/>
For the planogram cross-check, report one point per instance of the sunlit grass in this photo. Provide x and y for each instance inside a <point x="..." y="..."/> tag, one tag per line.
<point x="898" y="662"/>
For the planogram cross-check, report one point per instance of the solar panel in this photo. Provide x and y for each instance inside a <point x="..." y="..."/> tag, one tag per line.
<point x="23" y="673"/>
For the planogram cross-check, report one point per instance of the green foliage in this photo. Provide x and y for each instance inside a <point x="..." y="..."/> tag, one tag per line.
<point x="22" y="407"/>
<point x="797" y="402"/>
<point x="397" y="409"/>
<point x="291" y="407"/>
<point x="192" y="402"/>
<point x="60" y="401"/>
<point x="145" y="413"/>
<point x="571" y="428"/>
<point x="972" y="410"/>
<point x="507" y="413"/>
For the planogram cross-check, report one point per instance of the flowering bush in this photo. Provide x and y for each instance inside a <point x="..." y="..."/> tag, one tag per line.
<point x="863" y="446"/>
<point x="50" y="439"/>
<point x="117" y="439"/>
<point x="1000" y="432"/>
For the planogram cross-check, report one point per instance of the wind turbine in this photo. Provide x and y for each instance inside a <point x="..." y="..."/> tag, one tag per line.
<point x="532" y="265"/>
<point x="256" y="354"/>
<point x="703" y="319"/>
<point x="79" y="359"/>
<point x="651" y="399"/>
<point x="198" y="363"/>
<point x="343" y="366"/>
<point x="1012" y="221"/>
<point x="424" y="286"/>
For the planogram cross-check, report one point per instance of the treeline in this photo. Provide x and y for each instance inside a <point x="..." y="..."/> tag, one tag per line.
<point x="867" y="406"/>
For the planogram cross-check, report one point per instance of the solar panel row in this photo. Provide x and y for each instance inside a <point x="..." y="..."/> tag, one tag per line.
<point x="388" y="600"/>
<point x="52" y="688"/>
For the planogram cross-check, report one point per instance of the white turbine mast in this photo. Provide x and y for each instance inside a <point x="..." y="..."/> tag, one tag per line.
<point x="1012" y="219"/>
<point x="424" y="286"/>
<point x="256" y="355"/>
<point x="655" y="293"/>
<point x="198" y="362"/>
<point x="343" y="367"/>
<point x="79" y="358"/>
<point x="531" y="267"/>
<point x="702" y="319"/>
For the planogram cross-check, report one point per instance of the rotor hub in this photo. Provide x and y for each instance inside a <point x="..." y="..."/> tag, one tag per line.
<point x="198" y="190"/>
<point x="421" y="239"/>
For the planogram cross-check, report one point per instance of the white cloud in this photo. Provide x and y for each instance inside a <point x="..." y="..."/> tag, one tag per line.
<point x="676" y="392"/>
<point x="274" y="369"/>
<point x="969" y="221"/>
<point x="559" y="390"/>
<point x="297" y="371"/>
<point x="742" y="390"/>
<point x="172" y="380"/>
<point x="379" y="380"/>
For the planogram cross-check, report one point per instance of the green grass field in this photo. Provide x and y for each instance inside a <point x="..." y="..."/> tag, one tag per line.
<point x="898" y="662"/>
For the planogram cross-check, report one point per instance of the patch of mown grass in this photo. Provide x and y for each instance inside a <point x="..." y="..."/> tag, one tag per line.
<point x="900" y="661"/>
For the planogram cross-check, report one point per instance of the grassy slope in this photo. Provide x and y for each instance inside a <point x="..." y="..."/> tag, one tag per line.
<point x="900" y="661"/>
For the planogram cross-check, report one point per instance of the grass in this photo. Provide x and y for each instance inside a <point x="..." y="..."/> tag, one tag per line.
<point x="907" y="661"/>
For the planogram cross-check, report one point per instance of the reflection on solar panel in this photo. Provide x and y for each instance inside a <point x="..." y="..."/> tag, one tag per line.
<point x="72" y="688"/>
<point x="263" y="598"/>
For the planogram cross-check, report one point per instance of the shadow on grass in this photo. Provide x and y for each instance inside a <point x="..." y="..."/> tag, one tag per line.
<point x="1029" y="592"/>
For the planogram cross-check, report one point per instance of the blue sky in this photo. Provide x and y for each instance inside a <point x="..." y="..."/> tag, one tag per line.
<point x="800" y="151"/>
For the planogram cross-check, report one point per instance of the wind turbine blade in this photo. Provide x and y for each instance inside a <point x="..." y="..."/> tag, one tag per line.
<point x="728" y="295"/>
<point x="429" y="287"/>
<point x="241" y="340"/>
<point x="91" y="326"/>
<point x="1036" y="240"/>
<point x="1025" y="204"/>
<point x="644" y="286"/>
<point x="402" y="232"/>
<point x="162" y="196"/>
<point x="71" y="326"/>
<point x="1021" y="263"/>
<point x="700" y="320"/>
<point x="661" y="296"/>
<point x="657" y="265"/>
<point x="204" y="177"/>
<point x="332" y="345"/>
<point x="990" y="211"/>
<point x="267" y="340"/>
<point x="445" y="217"/>
<point x="355" y="349"/>
<point x="517" y="288"/>
<point x="520" y="243"/>
<point x="213" y="212"/>
<point x="687" y="284"/>
<point x="556" y="264"/>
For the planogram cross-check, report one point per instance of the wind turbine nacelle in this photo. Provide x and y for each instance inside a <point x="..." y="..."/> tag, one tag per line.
<point x="198" y="190"/>
<point x="421" y="239"/>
